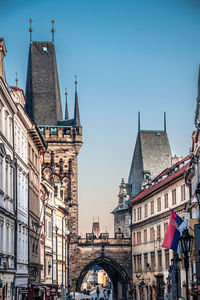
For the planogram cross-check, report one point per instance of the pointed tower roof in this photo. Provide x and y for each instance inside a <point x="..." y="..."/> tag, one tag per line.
<point x="77" y="122"/>
<point x="152" y="154"/>
<point x="42" y="85"/>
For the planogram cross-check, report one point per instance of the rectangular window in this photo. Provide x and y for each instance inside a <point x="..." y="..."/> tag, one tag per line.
<point x="145" y="261"/>
<point x="159" y="260"/>
<point x="56" y="191"/>
<point x="166" y="259"/>
<point x="135" y="263"/>
<point x="166" y="200"/>
<point x="145" y="210"/>
<point x="158" y="232"/>
<point x="159" y="204"/>
<point x="138" y="213"/>
<point x="139" y="238"/>
<point x="133" y="241"/>
<point x="139" y="260"/>
<point x="183" y="192"/>
<point x="145" y="236"/>
<point x="49" y="229"/>
<point x="151" y="234"/>
<point x="134" y="214"/>
<point x="152" y="260"/>
<point x="152" y="207"/>
<point x="173" y="196"/>
<point x="165" y="227"/>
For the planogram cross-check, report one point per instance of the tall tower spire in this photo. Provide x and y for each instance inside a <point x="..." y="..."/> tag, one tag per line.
<point x="76" y="108"/>
<point x="66" y="106"/>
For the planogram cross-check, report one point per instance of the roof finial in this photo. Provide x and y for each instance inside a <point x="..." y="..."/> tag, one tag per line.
<point x="138" y="121"/>
<point x="16" y="79"/>
<point x="165" y="127"/>
<point x="52" y="30"/>
<point x="30" y="30"/>
<point x="66" y="106"/>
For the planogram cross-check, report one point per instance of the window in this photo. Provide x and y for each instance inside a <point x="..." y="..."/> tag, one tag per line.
<point x="165" y="227"/>
<point x="139" y="261"/>
<point x="151" y="234"/>
<point x="133" y="239"/>
<point x="139" y="238"/>
<point x="7" y="179"/>
<point x="159" y="204"/>
<point x="135" y="263"/>
<point x="134" y="214"/>
<point x="145" y="261"/>
<point x="139" y="210"/>
<point x="53" y="131"/>
<point x="166" y="259"/>
<point x="152" y="207"/>
<point x="173" y="196"/>
<point x="145" y="236"/>
<point x="183" y="192"/>
<point x="152" y="260"/>
<point x="158" y="232"/>
<point x="49" y="229"/>
<point x="145" y="210"/>
<point x="166" y="200"/>
<point x="160" y="260"/>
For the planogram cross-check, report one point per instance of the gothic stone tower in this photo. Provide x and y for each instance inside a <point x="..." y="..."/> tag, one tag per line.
<point x="63" y="137"/>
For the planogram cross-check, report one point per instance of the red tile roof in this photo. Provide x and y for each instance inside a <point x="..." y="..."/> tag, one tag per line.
<point x="170" y="174"/>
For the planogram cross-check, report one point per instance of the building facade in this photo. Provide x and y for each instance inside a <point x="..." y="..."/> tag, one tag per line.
<point x="22" y="124"/>
<point x="7" y="186"/>
<point x="150" y="217"/>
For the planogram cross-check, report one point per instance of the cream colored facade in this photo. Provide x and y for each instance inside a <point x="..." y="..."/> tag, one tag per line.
<point x="150" y="217"/>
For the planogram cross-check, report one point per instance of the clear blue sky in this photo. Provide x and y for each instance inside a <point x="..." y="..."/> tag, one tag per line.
<point x="128" y="55"/>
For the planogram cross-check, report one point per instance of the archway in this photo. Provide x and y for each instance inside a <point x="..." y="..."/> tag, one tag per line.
<point x="120" y="280"/>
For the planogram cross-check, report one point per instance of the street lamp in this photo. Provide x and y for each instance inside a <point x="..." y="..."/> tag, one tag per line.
<point x="175" y="262"/>
<point x="186" y="243"/>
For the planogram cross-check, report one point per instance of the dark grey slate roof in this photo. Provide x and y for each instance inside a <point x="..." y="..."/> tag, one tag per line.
<point x="42" y="85"/>
<point x="152" y="154"/>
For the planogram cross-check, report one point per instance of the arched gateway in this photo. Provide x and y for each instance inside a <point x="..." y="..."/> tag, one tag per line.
<point x="112" y="255"/>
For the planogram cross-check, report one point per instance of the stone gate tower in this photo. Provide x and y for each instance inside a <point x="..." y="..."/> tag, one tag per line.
<point x="63" y="136"/>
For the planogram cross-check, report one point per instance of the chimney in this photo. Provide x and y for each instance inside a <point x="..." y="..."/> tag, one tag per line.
<point x="2" y="54"/>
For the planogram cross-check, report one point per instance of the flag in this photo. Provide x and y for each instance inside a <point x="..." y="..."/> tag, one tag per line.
<point x="174" y="231"/>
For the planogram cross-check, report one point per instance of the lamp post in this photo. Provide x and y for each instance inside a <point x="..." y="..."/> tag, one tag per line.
<point x="186" y="243"/>
<point x="175" y="261"/>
